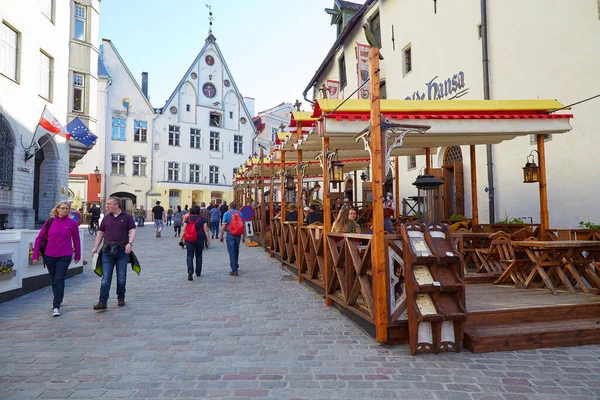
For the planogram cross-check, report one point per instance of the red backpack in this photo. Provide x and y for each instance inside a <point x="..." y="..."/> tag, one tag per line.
<point x="236" y="225"/>
<point x="191" y="233"/>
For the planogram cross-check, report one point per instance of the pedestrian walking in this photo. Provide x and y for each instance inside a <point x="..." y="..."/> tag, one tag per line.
<point x="170" y="216"/>
<point x="55" y="242"/>
<point x="215" y="218"/>
<point x="160" y="217"/>
<point x="195" y="234"/>
<point x="178" y="221"/>
<point x="223" y="209"/>
<point x="117" y="229"/>
<point x="233" y="224"/>
<point x="141" y="216"/>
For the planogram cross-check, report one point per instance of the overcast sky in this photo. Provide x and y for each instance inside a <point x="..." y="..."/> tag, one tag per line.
<point x="272" y="47"/>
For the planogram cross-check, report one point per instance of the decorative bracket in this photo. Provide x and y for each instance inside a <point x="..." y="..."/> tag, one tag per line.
<point x="301" y="168"/>
<point x="397" y="132"/>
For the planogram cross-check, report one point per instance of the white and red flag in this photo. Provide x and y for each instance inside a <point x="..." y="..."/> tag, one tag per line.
<point x="51" y="124"/>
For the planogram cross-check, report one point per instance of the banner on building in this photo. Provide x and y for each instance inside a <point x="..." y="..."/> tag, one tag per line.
<point x="363" y="69"/>
<point x="333" y="89"/>
<point x="51" y="124"/>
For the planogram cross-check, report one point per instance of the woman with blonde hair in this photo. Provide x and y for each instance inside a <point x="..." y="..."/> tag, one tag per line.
<point x="55" y="242"/>
<point x="344" y="223"/>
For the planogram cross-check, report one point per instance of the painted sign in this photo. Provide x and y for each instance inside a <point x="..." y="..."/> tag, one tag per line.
<point x="247" y="212"/>
<point x="436" y="89"/>
<point x="249" y="229"/>
<point x="333" y="89"/>
<point x="363" y="69"/>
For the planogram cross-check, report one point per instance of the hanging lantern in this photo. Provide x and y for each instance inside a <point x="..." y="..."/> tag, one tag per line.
<point x="337" y="172"/>
<point x="290" y="185"/>
<point x="428" y="199"/>
<point x="531" y="171"/>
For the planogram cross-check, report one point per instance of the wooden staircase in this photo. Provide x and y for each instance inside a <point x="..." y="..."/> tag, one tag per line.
<point x="533" y="328"/>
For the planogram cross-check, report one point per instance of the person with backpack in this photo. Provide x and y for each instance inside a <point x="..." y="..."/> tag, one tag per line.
<point x="55" y="242"/>
<point x="195" y="234"/>
<point x="178" y="221"/>
<point x="233" y="223"/>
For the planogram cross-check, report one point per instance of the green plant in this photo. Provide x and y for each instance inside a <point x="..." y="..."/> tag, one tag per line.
<point x="507" y="220"/>
<point x="457" y="217"/>
<point x="588" y="225"/>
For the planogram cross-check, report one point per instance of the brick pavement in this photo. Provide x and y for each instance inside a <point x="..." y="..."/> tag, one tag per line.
<point x="254" y="336"/>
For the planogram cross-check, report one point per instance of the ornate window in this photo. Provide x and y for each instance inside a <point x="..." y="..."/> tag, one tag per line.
<point x="453" y="154"/>
<point x="7" y="144"/>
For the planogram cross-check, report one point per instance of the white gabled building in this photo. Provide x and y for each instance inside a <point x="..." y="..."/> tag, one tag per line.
<point x="269" y="122"/>
<point x="202" y="134"/>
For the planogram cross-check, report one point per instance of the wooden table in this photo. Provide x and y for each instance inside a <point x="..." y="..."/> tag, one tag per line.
<point x="561" y="261"/>
<point x="467" y="243"/>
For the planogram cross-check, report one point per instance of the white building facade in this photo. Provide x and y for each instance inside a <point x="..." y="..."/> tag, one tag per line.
<point x="437" y="53"/>
<point x="270" y="122"/>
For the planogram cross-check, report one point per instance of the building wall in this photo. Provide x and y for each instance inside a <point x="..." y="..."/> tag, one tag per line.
<point x="22" y="106"/>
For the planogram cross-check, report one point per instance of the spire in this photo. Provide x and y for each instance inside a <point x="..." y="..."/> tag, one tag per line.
<point x="210" y="37"/>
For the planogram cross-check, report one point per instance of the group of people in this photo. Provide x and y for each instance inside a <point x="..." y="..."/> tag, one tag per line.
<point x="58" y="243"/>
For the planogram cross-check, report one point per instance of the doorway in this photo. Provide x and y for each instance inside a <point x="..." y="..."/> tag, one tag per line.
<point x="454" y="202"/>
<point x="46" y="188"/>
<point x="128" y="200"/>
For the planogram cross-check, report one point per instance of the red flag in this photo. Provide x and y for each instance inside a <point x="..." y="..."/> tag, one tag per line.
<point x="51" y="124"/>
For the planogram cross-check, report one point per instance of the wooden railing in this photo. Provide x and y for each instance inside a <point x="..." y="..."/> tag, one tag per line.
<point x="573" y="234"/>
<point x="508" y="228"/>
<point x="289" y="243"/>
<point x="275" y="230"/>
<point x="312" y="261"/>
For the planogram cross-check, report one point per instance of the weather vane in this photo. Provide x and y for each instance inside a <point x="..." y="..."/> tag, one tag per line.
<point x="210" y="16"/>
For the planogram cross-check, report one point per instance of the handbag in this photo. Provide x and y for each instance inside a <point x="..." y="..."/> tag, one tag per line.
<point x="44" y="241"/>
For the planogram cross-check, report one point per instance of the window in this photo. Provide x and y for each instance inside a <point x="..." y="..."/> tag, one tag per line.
<point x="140" y="131"/>
<point x="139" y="166"/>
<point x="9" y="52"/>
<point x="7" y="144"/>
<point x="230" y="114"/>
<point x="342" y="71"/>
<point x="533" y="138"/>
<point x="79" y="22"/>
<point x="214" y="141"/>
<point x="235" y="170"/>
<point x="273" y="135"/>
<point x="215" y="119"/>
<point x="78" y="91"/>
<point x="406" y="60"/>
<point x="173" y="171"/>
<point x="382" y="90"/>
<point x="194" y="138"/>
<point x="479" y="29"/>
<point x="187" y="107"/>
<point x="118" y="128"/>
<point x="45" y="75"/>
<point x="412" y="162"/>
<point x="213" y="174"/>
<point x="194" y="173"/>
<point x="173" y="135"/>
<point x="47" y="7"/>
<point x="237" y="144"/>
<point x="118" y="164"/>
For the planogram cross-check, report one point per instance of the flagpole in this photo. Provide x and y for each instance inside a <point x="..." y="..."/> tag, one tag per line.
<point x="29" y="156"/>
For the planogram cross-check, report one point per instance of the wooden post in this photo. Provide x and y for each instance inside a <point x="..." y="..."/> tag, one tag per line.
<point x="474" y="205"/>
<point x="427" y="160"/>
<point x="255" y="197"/>
<point x="544" y="220"/>
<point x="355" y="190"/>
<point x="282" y="184"/>
<point x="263" y="206"/>
<point x="299" y="254"/>
<point x="326" y="220"/>
<point x="397" y="187"/>
<point x="378" y="251"/>
<point x="271" y="209"/>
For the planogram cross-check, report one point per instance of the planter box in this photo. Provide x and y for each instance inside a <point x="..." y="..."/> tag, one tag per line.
<point x="11" y="274"/>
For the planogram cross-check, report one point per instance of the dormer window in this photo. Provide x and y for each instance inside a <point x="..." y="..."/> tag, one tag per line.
<point x="215" y="119"/>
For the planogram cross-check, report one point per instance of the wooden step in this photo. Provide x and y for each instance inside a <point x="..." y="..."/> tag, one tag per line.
<point x="534" y="314"/>
<point x="532" y="335"/>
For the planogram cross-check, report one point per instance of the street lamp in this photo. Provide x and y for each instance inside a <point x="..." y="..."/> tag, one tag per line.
<point x="428" y="198"/>
<point x="531" y="171"/>
<point x="337" y="172"/>
<point x="290" y="185"/>
<point x="97" y="174"/>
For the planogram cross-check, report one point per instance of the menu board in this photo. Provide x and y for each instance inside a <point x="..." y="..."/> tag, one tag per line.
<point x="425" y="304"/>
<point x="422" y="275"/>
<point x="419" y="246"/>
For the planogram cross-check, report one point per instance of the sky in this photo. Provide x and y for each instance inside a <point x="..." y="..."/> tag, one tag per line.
<point x="272" y="47"/>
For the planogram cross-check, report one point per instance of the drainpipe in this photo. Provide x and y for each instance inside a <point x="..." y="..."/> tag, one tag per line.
<point x="486" y="96"/>
<point x="312" y="103"/>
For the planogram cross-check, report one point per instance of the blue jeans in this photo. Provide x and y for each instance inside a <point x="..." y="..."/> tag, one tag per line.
<point x="108" y="264"/>
<point x="233" y="248"/>
<point x="169" y="220"/>
<point x="195" y="248"/>
<point x="214" y="228"/>
<point x="140" y="221"/>
<point x="57" y="269"/>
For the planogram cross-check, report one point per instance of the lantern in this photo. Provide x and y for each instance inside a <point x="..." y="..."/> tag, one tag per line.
<point x="290" y="185"/>
<point x="531" y="171"/>
<point x="337" y="172"/>
<point x="428" y="198"/>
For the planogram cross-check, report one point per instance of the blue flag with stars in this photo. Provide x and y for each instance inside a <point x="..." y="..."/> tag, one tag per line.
<point x="80" y="132"/>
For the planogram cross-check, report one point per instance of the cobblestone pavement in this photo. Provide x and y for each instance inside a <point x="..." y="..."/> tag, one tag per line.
<point x="252" y="336"/>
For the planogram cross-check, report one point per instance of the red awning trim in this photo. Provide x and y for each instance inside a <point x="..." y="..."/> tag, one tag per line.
<point x="354" y="116"/>
<point x="302" y="123"/>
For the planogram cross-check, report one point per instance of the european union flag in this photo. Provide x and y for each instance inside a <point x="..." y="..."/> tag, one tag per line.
<point x="80" y="132"/>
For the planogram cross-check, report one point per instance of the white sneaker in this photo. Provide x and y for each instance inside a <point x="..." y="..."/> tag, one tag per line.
<point x="55" y="312"/>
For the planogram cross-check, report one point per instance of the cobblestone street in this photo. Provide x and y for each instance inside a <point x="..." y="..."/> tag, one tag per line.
<point x="252" y="336"/>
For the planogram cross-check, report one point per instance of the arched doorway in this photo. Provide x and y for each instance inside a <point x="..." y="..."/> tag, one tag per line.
<point x="216" y="197"/>
<point x="128" y="200"/>
<point x="46" y="191"/>
<point x="454" y="202"/>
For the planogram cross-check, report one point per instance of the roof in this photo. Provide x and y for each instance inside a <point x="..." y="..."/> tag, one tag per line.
<point x="339" y="41"/>
<point x="348" y="5"/>
<point x="102" y="71"/>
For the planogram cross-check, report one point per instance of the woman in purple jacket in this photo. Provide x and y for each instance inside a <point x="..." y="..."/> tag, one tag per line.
<point x="63" y="236"/>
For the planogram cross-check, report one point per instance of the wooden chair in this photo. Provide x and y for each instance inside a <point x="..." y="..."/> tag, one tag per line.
<point x="523" y="234"/>
<point x="495" y="258"/>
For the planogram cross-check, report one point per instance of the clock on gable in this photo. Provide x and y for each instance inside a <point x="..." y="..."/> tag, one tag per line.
<point x="209" y="60"/>
<point x="209" y="90"/>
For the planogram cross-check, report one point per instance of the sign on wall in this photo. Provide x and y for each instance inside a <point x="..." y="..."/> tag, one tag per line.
<point x="363" y="69"/>
<point x="450" y="88"/>
<point x="333" y="89"/>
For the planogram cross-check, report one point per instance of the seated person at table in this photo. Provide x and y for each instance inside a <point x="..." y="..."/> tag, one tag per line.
<point x="343" y="223"/>
<point x="353" y="216"/>
<point x="314" y="215"/>
<point x="292" y="213"/>
<point x="305" y="212"/>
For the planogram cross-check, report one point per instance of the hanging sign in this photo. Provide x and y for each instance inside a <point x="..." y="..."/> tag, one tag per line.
<point x="363" y="69"/>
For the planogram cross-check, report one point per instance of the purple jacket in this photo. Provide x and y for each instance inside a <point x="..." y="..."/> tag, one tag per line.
<point x="62" y="237"/>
